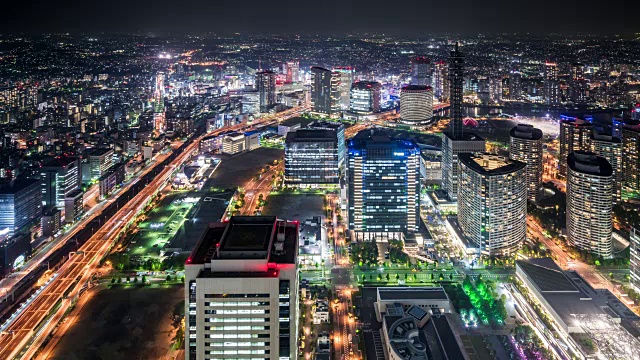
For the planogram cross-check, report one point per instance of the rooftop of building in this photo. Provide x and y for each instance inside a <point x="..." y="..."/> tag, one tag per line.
<point x="465" y="136"/>
<point x="98" y="151"/>
<point x="558" y="289"/>
<point x="416" y="88"/>
<point x="605" y="138"/>
<point x="311" y="135"/>
<point x="576" y="122"/>
<point x="247" y="237"/>
<point x="59" y="161"/>
<point x="589" y="163"/>
<point x="15" y="186"/>
<point x="412" y="293"/>
<point x="377" y="137"/>
<point x="365" y="85"/>
<point x="265" y="72"/>
<point x="490" y="164"/>
<point x="324" y="124"/>
<point x="526" y="131"/>
<point x="297" y="120"/>
<point x="319" y="68"/>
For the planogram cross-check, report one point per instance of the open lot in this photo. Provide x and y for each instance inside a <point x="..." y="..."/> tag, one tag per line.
<point x="237" y="170"/>
<point x="124" y="323"/>
<point x="161" y="224"/>
<point x="298" y="206"/>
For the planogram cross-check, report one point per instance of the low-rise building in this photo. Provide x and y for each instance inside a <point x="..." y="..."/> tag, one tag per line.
<point x="321" y="312"/>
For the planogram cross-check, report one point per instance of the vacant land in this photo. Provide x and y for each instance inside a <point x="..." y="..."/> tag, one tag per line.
<point x="237" y="170"/>
<point x="124" y="323"/>
<point x="294" y="206"/>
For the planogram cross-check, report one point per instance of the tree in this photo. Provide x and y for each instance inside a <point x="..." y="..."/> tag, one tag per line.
<point x="119" y="280"/>
<point x="135" y="279"/>
<point x="113" y="280"/>
<point x="144" y="279"/>
<point x="168" y="277"/>
<point x="388" y="277"/>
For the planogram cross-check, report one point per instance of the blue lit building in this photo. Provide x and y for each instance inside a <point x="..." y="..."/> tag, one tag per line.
<point x="20" y="204"/>
<point x="383" y="186"/>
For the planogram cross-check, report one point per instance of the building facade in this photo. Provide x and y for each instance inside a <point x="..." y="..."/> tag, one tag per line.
<point x="574" y="135"/>
<point x="525" y="145"/>
<point x="59" y="177"/>
<point x="20" y="205"/>
<point x="241" y="291"/>
<point x="338" y="128"/>
<point x="311" y="158"/>
<point x="631" y="161"/>
<point x="383" y="186"/>
<point x="347" y="75"/>
<point x="551" y="84"/>
<point x="100" y="161"/>
<point x="492" y="202"/>
<point x="266" y="87"/>
<point x="634" y="261"/>
<point x="451" y="148"/>
<point x="325" y="96"/>
<point x="365" y="97"/>
<point x="421" y="71"/>
<point x="416" y="104"/>
<point x="610" y="148"/>
<point x="589" y="203"/>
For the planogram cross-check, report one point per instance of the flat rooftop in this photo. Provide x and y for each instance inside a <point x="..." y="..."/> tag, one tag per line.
<point x="412" y="293"/>
<point x="490" y="164"/>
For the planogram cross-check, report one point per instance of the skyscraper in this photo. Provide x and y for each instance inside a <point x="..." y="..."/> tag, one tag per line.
<point x="20" y="204"/>
<point x="456" y="80"/>
<point x="346" y="75"/>
<point x="311" y="158"/>
<point x="416" y="104"/>
<point x="421" y="71"/>
<point x="365" y="97"/>
<point x="578" y="90"/>
<point x="492" y="202"/>
<point x="266" y="86"/>
<point x="526" y="146"/>
<point x="324" y="91"/>
<point x="574" y="135"/>
<point x="293" y="72"/>
<point x="441" y="80"/>
<point x="631" y="161"/>
<point x="589" y="203"/>
<point x="634" y="261"/>
<point x="338" y="128"/>
<point x="551" y="84"/>
<point x="241" y="291"/>
<point x="383" y="186"/>
<point x="455" y="141"/>
<point x="59" y="177"/>
<point x="610" y="148"/>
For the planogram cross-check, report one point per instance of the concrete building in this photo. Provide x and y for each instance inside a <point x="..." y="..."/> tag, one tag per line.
<point x="551" y="84"/>
<point x="383" y="186"/>
<point x="416" y="104"/>
<point x="338" y="128"/>
<point x="526" y="146"/>
<point x="59" y="177"/>
<point x="99" y="161"/>
<point x="266" y="87"/>
<point x="574" y="135"/>
<point x="610" y="148"/>
<point x="20" y="205"/>
<point x="492" y="202"/>
<point x="631" y="161"/>
<point x="431" y="165"/>
<point x="365" y="97"/>
<point x="590" y="192"/>
<point x="251" y="102"/>
<point x="346" y="74"/>
<point x="421" y="71"/>
<point x="325" y="97"/>
<point x="73" y="206"/>
<point x="241" y="291"/>
<point x="634" y="262"/>
<point x="311" y="158"/>
<point x="451" y="148"/>
<point x="233" y="143"/>
<point x="113" y="178"/>
<point x="51" y="221"/>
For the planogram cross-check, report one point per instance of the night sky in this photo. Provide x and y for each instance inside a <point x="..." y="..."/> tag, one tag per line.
<point x="399" y="17"/>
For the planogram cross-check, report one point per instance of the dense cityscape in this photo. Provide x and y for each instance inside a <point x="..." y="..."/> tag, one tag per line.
<point x="349" y="197"/>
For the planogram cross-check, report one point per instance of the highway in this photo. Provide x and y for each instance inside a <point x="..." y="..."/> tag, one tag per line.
<point x="94" y="241"/>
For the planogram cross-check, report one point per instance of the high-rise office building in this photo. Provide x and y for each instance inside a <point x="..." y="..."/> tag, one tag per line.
<point x="610" y="148"/>
<point x="241" y="291"/>
<point x="20" y="204"/>
<point x="59" y="177"/>
<point x="578" y="86"/>
<point x="515" y="85"/>
<point x="574" y="135"/>
<point x="631" y="161"/>
<point x="455" y="141"/>
<point x="589" y="203"/>
<point x="365" y="97"/>
<point x="526" y="146"/>
<point x="383" y="186"/>
<point x="492" y="202"/>
<point x="347" y="75"/>
<point x="421" y="71"/>
<point x="266" y="86"/>
<point x="338" y="128"/>
<point x="293" y="72"/>
<point x="634" y="261"/>
<point x="311" y="158"/>
<point x="440" y="80"/>
<point x="551" y="84"/>
<point x="251" y="102"/>
<point x="416" y="104"/>
<point x="325" y="97"/>
<point x="100" y="161"/>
